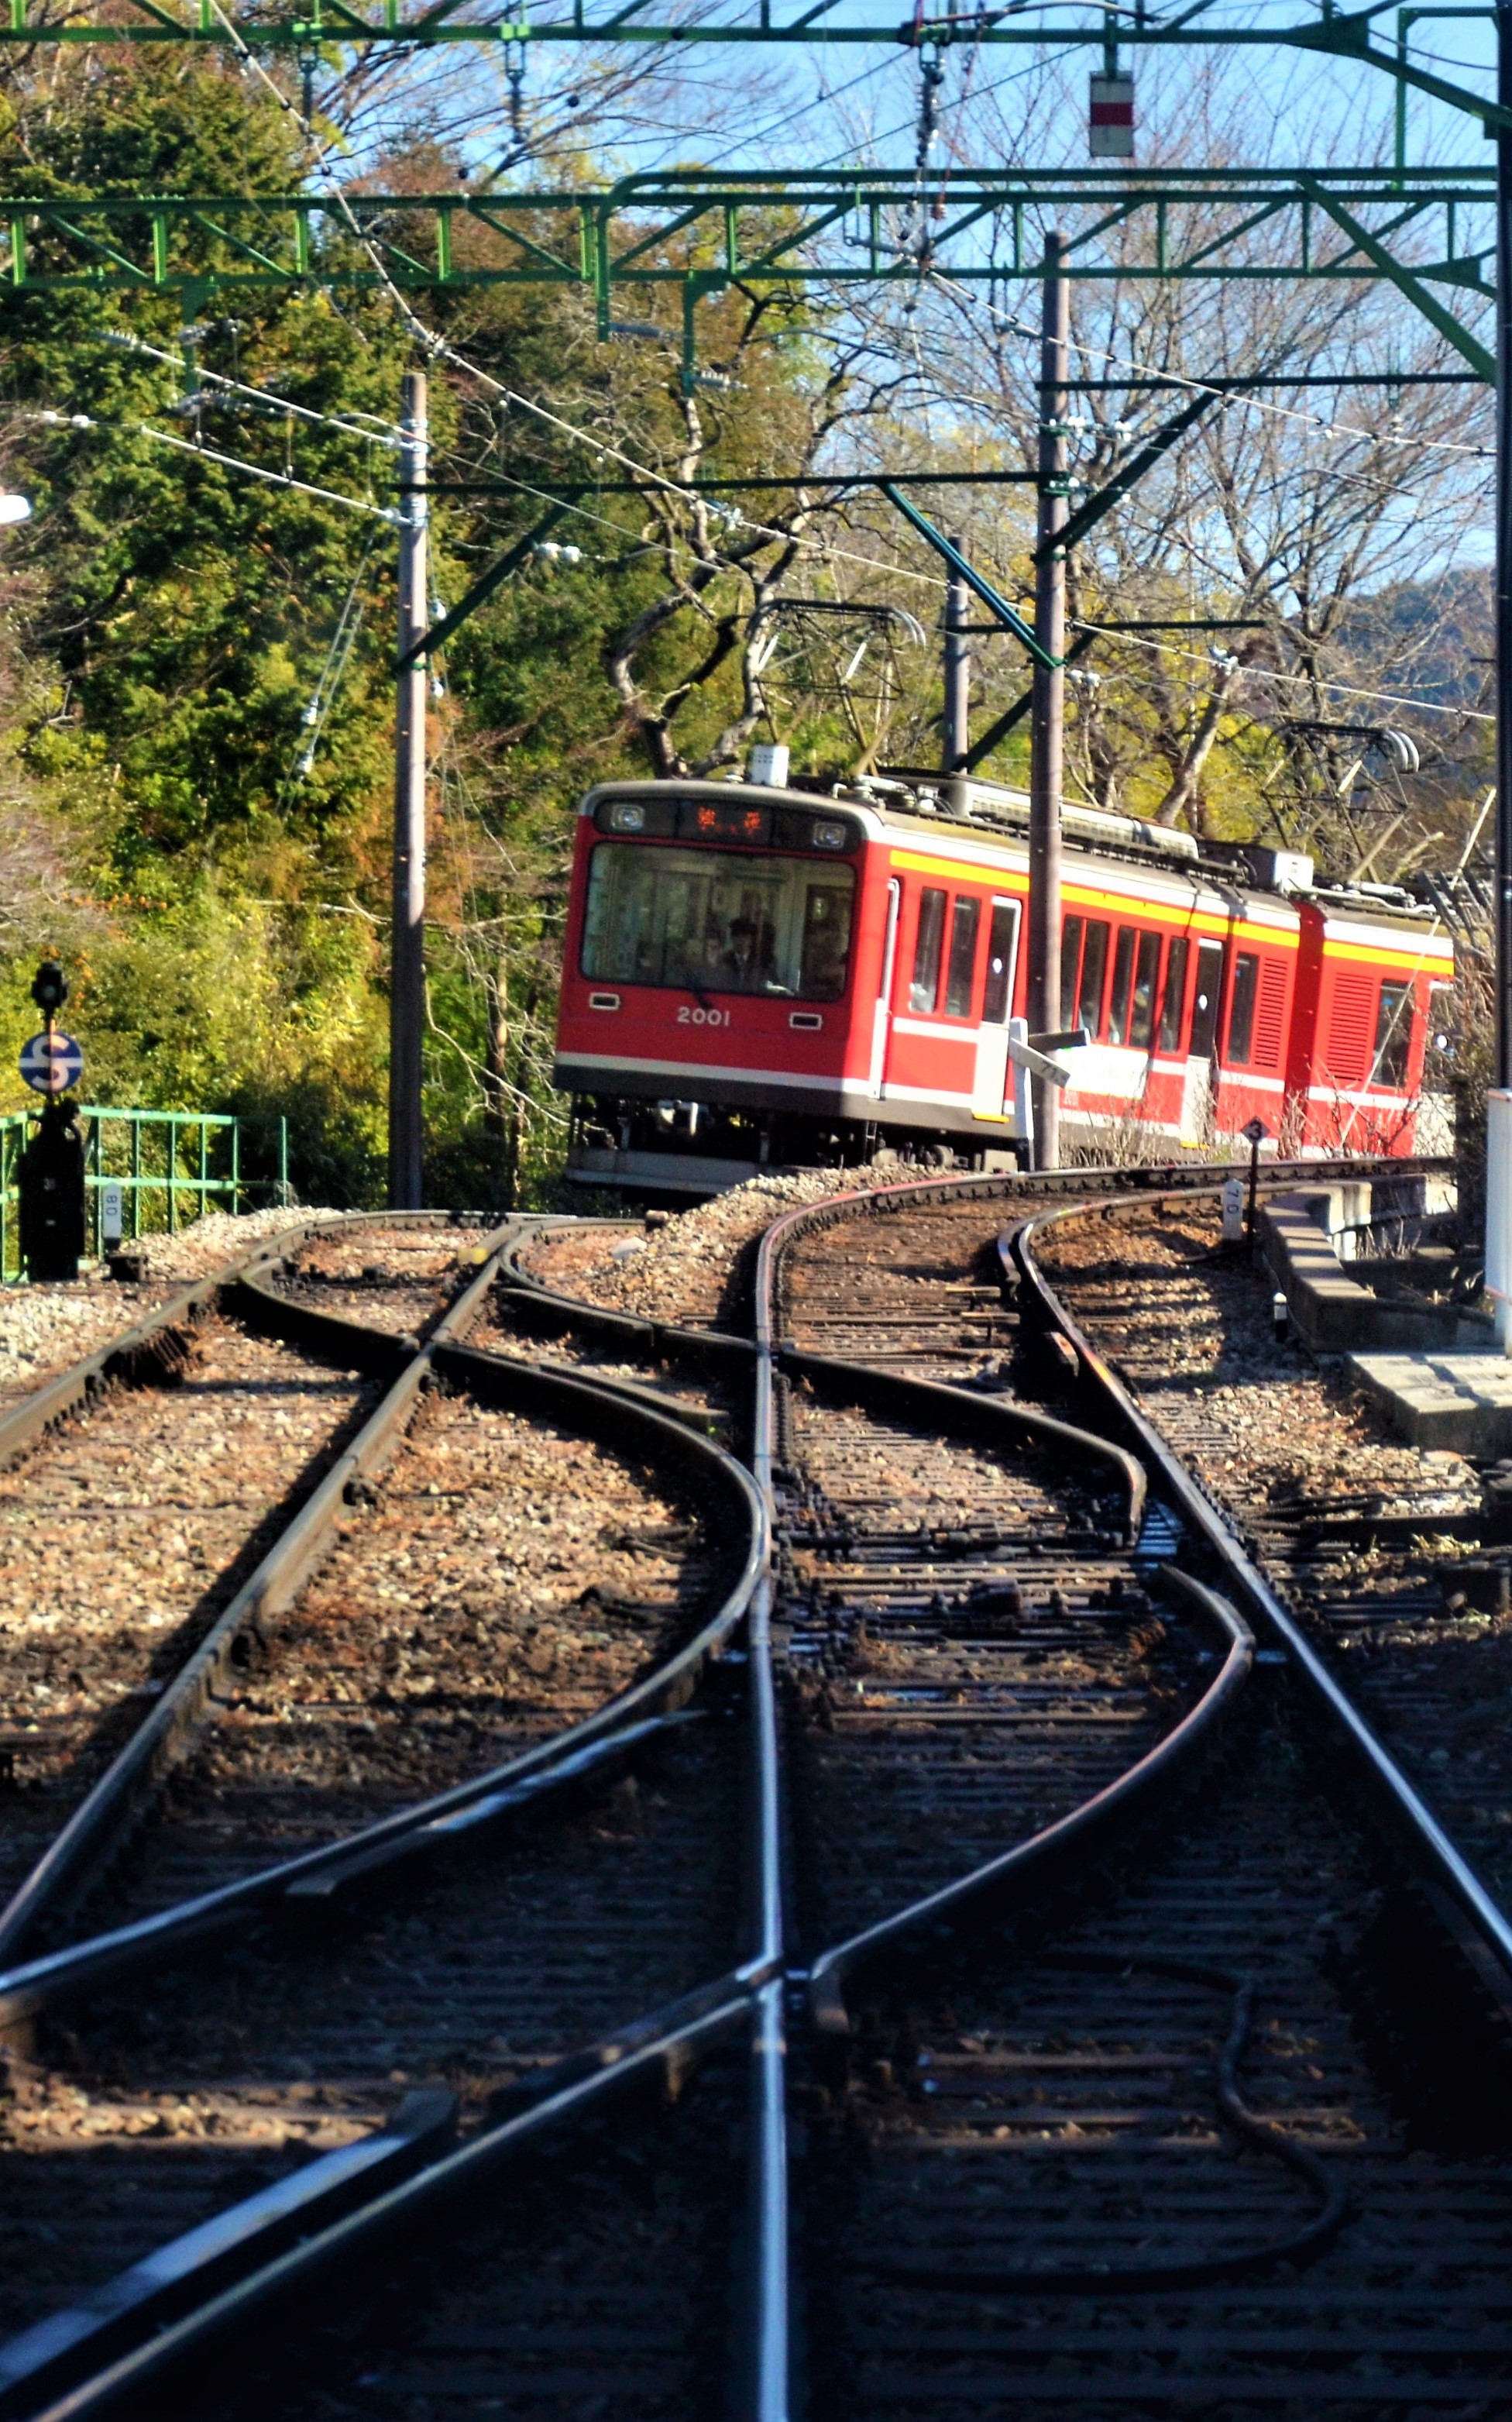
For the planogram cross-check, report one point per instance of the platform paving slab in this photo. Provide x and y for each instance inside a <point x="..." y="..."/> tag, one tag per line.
<point x="1462" y="1402"/>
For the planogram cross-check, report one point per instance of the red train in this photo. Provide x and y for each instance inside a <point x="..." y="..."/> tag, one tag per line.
<point x="757" y="975"/>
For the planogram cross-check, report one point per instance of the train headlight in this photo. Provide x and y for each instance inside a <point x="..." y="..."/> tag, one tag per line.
<point x="827" y="836"/>
<point x="627" y="815"/>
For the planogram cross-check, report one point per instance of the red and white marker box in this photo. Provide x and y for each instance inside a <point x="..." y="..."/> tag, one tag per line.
<point x="1112" y="117"/>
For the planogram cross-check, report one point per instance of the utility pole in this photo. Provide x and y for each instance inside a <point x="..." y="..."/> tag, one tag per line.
<point x="957" y="736"/>
<point x="1504" y="554"/>
<point x="1048" y="713"/>
<point x="1499" y="1105"/>
<point x="407" y="966"/>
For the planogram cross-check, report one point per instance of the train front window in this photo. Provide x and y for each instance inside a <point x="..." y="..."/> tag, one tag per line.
<point x="718" y="921"/>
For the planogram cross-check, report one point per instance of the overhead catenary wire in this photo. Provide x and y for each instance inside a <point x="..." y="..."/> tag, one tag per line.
<point x="438" y="348"/>
<point x="1226" y="395"/>
<point x="604" y="449"/>
<point x="382" y="433"/>
<point x="259" y="471"/>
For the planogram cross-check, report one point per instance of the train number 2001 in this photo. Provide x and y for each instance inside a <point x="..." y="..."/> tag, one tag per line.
<point x="703" y="1016"/>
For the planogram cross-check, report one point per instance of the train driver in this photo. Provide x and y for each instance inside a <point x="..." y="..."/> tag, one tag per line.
<point x="745" y="962"/>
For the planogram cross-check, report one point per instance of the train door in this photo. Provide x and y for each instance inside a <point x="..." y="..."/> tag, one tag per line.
<point x="1199" y="1092"/>
<point x="883" y="1008"/>
<point x="997" y="999"/>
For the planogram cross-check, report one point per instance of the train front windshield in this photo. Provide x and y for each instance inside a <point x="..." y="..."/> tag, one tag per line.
<point x="718" y="921"/>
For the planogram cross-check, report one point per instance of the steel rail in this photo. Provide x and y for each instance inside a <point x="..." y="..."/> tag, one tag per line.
<point x="1447" y="1863"/>
<point x="768" y="2397"/>
<point x="438" y="1823"/>
<point x="1078" y="1835"/>
<point x="988" y="1419"/>
<point x="764" y="2368"/>
<point x="1079" y="1832"/>
<point x="1073" y="1838"/>
<point x="164" y="2319"/>
<point x="629" y="2056"/>
<point x="288" y="1565"/>
<point x="27" y="1420"/>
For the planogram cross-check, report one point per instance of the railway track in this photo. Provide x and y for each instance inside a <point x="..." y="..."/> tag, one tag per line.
<point x="433" y="1825"/>
<point x="1396" y="1563"/>
<point x="1037" y="2178"/>
<point x="1101" y="2023"/>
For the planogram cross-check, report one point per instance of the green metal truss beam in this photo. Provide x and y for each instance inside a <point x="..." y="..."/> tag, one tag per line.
<point x="1411" y="283"/>
<point x="1338" y="32"/>
<point x="698" y="233"/>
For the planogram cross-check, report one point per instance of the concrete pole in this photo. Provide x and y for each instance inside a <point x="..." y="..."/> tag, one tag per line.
<point x="1503" y="1077"/>
<point x="1499" y="1106"/>
<point x="1048" y="717"/>
<point x="956" y="730"/>
<point x="406" y="1014"/>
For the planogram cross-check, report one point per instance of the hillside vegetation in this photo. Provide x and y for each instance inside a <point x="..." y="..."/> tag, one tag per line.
<point x="196" y="668"/>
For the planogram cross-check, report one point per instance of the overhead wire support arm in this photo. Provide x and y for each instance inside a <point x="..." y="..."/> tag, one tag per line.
<point x="1088" y="514"/>
<point x="479" y="593"/>
<point x="1007" y="614"/>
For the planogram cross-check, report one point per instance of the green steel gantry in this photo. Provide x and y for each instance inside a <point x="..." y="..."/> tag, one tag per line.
<point x="1433" y="233"/>
<point x="1430" y="232"/>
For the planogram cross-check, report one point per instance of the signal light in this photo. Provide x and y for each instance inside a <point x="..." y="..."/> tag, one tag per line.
<point x="50" y="987"/>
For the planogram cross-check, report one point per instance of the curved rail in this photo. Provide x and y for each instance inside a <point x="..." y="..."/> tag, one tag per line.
<point x="1440" y="1853"/>
<point x="1073" y="1838"/>
<point x="283" y="1571"/>
<point x="131" y="2331"/>
<point x="1046" y="1855"/>
<point x="435" y="1823"/>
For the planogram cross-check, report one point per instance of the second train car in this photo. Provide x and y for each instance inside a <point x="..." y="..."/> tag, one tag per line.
<point x="757" y="975"/>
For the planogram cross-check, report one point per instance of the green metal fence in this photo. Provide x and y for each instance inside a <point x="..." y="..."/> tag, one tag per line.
<point x="171" y="1166"/>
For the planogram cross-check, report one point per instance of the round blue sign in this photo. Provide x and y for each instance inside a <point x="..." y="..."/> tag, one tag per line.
<point x="50" y="1065"/>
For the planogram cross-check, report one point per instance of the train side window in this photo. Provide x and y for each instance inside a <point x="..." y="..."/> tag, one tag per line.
<point x="1123" y="977"/>
<point x="1439" y="1057"/>
<point x="961" y="977"/>
<point x="1146" y="982"/>
<point x="1174" y="1001"/>
<point x="1393" y="1035"/>
<point x="1094" y="967"/>
<point x="826" y="942"/>
<point x="1205" y="998"/>
<point x="1241" y="1013"/>
<point x="1000" y="940"/>
<point x="925" y="990"/>
<point x="1070" y="966"/>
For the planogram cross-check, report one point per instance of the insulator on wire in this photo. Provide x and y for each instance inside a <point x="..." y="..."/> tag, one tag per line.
<point x="514" y="69"/>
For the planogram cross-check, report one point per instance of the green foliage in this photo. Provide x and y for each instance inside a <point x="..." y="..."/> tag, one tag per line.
<point x="222" y="904"/>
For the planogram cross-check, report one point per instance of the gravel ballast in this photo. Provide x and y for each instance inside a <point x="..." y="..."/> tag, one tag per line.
<point x="44" y="1329"/>
<point x="693" y="1270"/>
